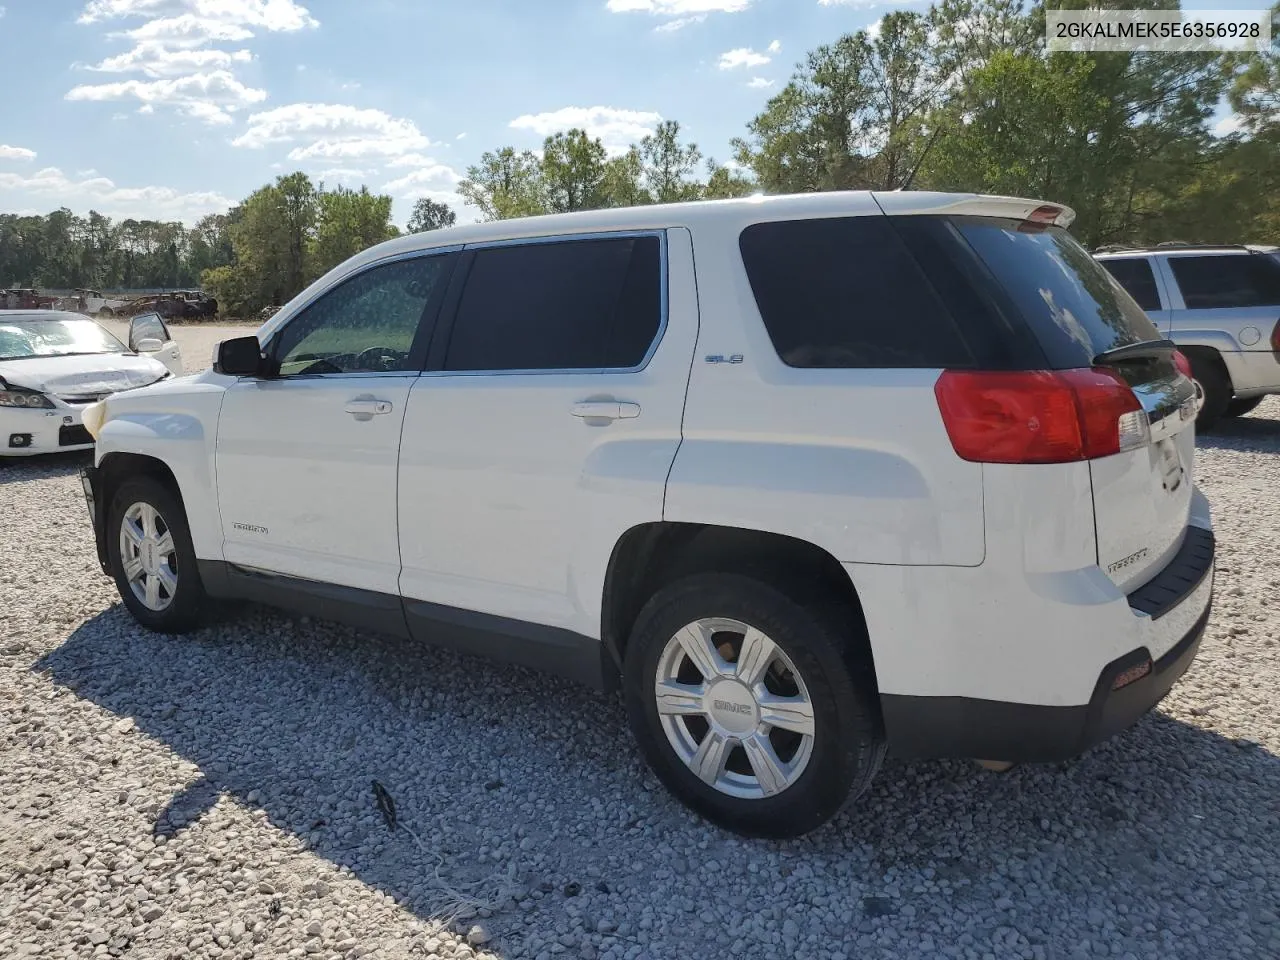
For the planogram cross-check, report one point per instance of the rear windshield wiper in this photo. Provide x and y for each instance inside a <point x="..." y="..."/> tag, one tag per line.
<point x="1145" y="349"/>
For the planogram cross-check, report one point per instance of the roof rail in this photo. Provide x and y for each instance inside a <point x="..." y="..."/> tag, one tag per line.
<point x="1182" y="245"/>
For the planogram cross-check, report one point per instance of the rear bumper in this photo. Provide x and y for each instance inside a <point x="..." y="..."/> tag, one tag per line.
<point x="936" y="727"/>
<point x="1169" y="612"/>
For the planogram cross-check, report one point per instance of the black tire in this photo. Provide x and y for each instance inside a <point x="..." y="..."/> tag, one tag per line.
<point x="106" y="312"/>
<point x="1208" y="370"/>
<point x="848" y="743"/>
<point x="187" y="606"/>
<point x="1238" y="408"/>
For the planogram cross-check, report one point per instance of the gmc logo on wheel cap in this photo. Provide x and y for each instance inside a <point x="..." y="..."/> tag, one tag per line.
<point x="731" y="707"/>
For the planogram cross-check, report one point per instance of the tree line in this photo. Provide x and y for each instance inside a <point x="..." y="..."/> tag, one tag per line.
<point x="963" y="97"/>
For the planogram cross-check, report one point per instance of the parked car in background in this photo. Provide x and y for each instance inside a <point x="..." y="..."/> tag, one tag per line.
<point x="54" y="363"/>
<point x="25" y="298"/>
<point x="95" y="304"/>
<point x="1221" y="305"/>
<point x="810" y="477"/>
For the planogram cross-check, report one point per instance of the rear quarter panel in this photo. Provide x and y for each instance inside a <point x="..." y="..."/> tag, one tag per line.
<point x="857" y="462"/>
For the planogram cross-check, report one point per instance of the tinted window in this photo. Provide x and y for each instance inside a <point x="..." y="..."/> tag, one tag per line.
<point x="845" y="292"/>
<point x="1244" y="280"/>
<point x="1070" y="302"/>
<point x="569" y="305"/>
<point x="366" y="324"/>
<point x="1136" y="276"/>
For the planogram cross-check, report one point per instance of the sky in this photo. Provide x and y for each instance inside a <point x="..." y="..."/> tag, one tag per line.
<point x="172" y="109"/>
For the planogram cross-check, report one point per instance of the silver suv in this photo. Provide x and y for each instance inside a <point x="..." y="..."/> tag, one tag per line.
<point x="1221" y="305"/>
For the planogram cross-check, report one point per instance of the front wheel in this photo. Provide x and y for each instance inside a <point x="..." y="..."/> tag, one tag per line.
<point x="750" y="706"/>
<point x="151" y="557"/>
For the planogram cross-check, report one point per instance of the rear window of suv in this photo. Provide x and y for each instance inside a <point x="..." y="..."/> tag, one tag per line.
<point x="935" y="292"/>
<point x="1070" y="301"/>
<point x="1225" y="281"/>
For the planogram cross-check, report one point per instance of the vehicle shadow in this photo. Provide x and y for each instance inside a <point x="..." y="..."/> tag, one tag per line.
<point x="44" y="466"/>
<point x="1254" y="431"/>
<point x="298" y="718"/>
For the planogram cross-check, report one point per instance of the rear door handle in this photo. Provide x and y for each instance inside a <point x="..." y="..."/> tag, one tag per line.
<point x="367" y="409"/>
<point x="606" y="410"/>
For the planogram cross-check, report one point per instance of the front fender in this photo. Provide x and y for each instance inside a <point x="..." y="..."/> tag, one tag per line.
<point x="182" y="437"/>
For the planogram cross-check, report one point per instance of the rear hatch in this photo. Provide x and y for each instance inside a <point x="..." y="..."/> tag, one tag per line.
<point x="1046" y="288"/>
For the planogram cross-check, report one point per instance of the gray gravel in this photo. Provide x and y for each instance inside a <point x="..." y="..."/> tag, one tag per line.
<point x="212" y="796"/>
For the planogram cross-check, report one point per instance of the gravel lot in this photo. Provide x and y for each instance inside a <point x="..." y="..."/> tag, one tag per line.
<point x="212" y="795"/>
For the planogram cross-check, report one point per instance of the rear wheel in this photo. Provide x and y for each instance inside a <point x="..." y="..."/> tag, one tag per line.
<point x="1238" y="408"/>
<point x="749" y="705"/>
<point x="151" y="557"/>
<point x="1207" y="368"/>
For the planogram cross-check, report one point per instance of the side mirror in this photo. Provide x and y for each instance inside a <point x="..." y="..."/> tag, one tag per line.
<point x="149" y="345"/>
<point x="238" y="357"/>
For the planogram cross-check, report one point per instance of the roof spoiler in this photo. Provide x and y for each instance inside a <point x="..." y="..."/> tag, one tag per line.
<point x="906" y="202"/>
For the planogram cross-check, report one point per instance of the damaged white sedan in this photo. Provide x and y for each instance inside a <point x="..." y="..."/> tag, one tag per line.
<point x="53" y="364"/>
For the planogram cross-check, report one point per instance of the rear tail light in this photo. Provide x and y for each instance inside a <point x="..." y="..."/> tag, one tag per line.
<point x="1183" y="364"/>
<point x="1040" y="416"/>
<point x="1275" y="337"/>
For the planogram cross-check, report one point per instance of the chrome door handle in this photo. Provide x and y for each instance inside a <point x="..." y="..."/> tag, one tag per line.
<point x="606" y="410"/>
<point x="366" y="409"/>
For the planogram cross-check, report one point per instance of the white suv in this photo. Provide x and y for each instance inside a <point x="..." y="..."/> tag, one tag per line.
<point x="808" y="477"/>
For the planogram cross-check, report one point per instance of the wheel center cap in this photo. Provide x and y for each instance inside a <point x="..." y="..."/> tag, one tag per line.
<point x="732" y="706"/>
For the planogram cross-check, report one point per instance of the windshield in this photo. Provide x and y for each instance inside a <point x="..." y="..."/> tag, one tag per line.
<point x="1075" y="307"/>
<point x="22" y="339"/>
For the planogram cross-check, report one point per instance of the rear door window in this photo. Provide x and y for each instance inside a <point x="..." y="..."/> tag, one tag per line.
<point x="1058" y="288"/>
<point x="593" y="304"/>
<point x="1233" y="280"/>
<point x="1137" y="278"/>
<point x="845" y="292"/>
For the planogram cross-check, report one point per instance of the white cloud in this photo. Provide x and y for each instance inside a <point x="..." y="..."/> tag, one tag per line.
<point x="742" y="57"/>
<point x="1229" y="124"/>
<point x="156" y="60"/>
<point x="209" y="97"/>
<point x="2" y="11"/>
<point x="775" y="47"/>
<point x="344" y="175"/>
<point x="461" y="136"/>
<point x="428" y="180"/>
<point x="410" y="160"/>
<point x="679" y="24"/>
<point x="677" y="8"/>
<point x="332" y="131"/>
<point x="175" y="48"/>
<point x="677" y="13"/>
<point x="759" y="83"/>
<point x="52" y="188"/>
<point x="273" y="15"/>
<point x="617" y="129"/>
<point x="15" y="153"/>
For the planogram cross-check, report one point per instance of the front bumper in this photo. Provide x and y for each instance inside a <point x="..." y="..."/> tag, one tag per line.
<point x="1180" y="597"/>
<point x="28" y="433"/>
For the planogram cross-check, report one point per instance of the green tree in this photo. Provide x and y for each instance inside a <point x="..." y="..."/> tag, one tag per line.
<point x="573" y="172"/>
<point x="347" y="221"/>
<point x="428" y="214"/>
<point x="505" y="184"/>
<point x="724" y="183"/>
<point x="669" y="167"/>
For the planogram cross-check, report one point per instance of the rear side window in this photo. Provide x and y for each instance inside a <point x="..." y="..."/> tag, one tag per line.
<point x="845" y="292"/>
<point x="1058" y="288"/>
<point x="1237" y="280"/>
<point x="1137" y="278"/>
<point x="563" y="305"/>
